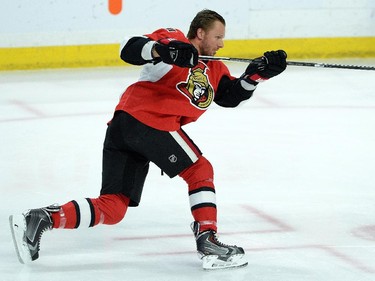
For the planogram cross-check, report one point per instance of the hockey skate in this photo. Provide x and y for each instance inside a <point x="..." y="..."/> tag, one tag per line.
<point x="214" y="254"/>
<point x="27" y="230"/>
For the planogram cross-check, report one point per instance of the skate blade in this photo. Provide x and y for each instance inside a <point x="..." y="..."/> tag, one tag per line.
<point x="212" y="262"/>
<point x="18" y="228"/>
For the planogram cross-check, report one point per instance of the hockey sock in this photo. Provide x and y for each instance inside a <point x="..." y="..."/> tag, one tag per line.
<point x="202" y="197"/>
<point x="106" y="209"/>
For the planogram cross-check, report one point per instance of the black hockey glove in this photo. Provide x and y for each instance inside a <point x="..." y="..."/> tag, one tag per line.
<point x="272" y="63"/>
<point x="177" y="52"/>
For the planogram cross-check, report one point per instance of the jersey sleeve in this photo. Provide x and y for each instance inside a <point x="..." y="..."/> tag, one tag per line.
<point x="232" y="91"/>
<point x="137" y="50"/>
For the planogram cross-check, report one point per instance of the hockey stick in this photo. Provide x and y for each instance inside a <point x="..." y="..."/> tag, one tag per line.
<point x="294" y="63"/>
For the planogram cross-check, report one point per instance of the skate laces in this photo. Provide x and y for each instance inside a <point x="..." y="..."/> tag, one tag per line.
<point x="44" y="229"/>
<point x="39" y="222"/>
<point x="215" y="238"/>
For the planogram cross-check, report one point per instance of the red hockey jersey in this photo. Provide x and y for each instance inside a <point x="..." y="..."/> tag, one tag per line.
<point x="166" y="96"/>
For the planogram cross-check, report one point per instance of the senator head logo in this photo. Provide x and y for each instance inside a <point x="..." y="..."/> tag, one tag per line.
<point x="197" y="87"/>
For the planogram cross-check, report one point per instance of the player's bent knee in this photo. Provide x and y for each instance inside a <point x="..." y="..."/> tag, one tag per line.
<point x="112" y="208"/>
<point x="198" y="173"/>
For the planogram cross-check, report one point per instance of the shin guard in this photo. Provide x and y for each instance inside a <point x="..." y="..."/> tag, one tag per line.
<point x="202" y="197"/>
<point x="106" y="209"/>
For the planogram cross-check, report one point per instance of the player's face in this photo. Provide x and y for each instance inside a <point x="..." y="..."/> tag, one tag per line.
<point x="212" y="39"/>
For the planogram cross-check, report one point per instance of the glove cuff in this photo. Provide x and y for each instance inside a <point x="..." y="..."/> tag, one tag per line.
<point x="257" y="78"/>
<point x="248" y="85"/>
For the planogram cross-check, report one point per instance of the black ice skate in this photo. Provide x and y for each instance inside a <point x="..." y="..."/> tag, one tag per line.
<point x="27" y="230"/>
<point x="214" y="254"/>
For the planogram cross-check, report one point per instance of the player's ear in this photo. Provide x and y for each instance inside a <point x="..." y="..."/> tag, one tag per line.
<point x="200" y="33"/>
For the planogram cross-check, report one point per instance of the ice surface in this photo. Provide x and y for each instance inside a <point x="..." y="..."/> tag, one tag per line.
<point x="294" y="170"/>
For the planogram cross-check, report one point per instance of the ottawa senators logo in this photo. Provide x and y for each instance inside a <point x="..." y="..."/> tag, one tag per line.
<point x="197" y="87"/>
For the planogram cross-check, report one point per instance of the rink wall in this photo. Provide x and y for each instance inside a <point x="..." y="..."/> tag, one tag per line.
<point x="70" y="33"/>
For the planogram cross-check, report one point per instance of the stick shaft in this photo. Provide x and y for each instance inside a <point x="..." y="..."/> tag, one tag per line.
<point x="294" y="63"/>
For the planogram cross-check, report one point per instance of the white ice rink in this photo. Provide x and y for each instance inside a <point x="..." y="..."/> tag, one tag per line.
<point x="294" y="168"/>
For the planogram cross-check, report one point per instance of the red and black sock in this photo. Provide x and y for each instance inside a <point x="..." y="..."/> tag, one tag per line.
<point x="106" y="209"/>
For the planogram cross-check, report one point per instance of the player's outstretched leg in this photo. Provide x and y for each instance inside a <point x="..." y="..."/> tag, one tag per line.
<point x="27" y="230"/>
<point x="214" y="254"/>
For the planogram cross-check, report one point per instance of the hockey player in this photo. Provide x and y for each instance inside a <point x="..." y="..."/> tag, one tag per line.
<point x="175" y="88"/>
